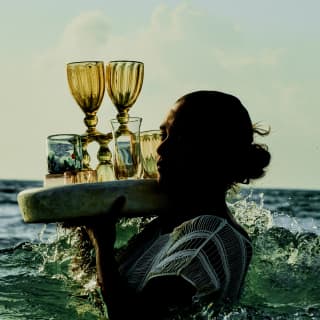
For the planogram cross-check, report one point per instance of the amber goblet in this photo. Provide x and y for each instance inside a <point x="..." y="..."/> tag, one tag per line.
<point x="124" y="81"/>
<point x="86" y="81"/>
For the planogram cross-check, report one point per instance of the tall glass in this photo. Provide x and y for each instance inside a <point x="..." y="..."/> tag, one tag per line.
<point x="127" y="153"/>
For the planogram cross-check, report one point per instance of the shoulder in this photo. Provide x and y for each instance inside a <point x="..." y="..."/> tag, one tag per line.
<point x="200" y="236"/>
<point x="201" y="222"/>
<point x="206" y="251"/>
<point x="208" y="224"/>
<point x="205" y="232"/>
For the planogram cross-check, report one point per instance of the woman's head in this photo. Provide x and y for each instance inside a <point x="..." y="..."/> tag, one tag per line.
<point x="208" y="137"/>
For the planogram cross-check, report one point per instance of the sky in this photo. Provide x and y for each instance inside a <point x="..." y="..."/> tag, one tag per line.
<point x="265" y="52"/>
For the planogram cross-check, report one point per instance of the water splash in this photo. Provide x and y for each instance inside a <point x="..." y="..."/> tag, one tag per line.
<point x="282" y="282"/>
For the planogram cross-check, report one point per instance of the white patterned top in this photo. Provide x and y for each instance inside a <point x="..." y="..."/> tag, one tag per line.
<point x="207" y="251"/>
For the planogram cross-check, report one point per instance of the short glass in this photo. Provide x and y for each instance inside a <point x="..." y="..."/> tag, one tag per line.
<point x="126" y="148"/>
<point x="64" y="153"/>
<point x="149" y="142"/>
<point x="82" y="176"/>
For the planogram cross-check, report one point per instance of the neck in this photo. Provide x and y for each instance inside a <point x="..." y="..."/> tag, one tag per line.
<point x="186" y="209"/>
<point x="186" y="206"/>
<point x="194" y="203"/>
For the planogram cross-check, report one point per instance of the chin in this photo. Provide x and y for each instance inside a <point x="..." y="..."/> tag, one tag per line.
<point x="163" y="183"/>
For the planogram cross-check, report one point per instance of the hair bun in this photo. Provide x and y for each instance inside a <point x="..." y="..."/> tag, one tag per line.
<point x="259" y="158"/>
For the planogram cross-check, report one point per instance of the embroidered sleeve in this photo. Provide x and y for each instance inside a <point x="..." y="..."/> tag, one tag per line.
<point x="208" y="253"/>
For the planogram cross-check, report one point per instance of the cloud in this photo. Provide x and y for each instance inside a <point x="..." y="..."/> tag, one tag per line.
<point x="86" y="34"/>
<point x="83" y="39"/>
<point x="234" y="60"/>
<point x="181" y="46"/>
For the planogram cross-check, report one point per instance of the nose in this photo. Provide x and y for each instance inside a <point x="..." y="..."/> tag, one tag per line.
<point x="163" y="146"/>
<point x="160" y="148"/>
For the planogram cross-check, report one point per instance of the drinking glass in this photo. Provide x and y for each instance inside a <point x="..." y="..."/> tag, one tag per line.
<point x="82" y="176"/>
<point x="149" y="142"/>
<point x="127" y="154"/>
<point x="64" y="153"/>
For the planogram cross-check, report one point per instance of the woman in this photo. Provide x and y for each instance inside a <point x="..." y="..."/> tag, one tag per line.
<point x="197" y="252"/>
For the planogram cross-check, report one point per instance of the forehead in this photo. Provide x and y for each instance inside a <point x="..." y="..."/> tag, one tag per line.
<point x="170" y="119"/>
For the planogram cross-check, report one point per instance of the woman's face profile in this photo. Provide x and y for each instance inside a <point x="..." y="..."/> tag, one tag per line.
<point x="174" y="149"/>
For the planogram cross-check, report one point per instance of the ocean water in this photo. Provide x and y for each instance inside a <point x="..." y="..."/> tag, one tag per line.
<point x="45" y="270"/>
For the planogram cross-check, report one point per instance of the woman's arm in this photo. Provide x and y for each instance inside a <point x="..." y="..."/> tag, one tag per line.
<point x="153" y="302"/>
<point x="122" y="301"/>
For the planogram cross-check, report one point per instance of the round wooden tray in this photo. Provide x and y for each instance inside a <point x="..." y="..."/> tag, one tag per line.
<point x="82" y="201"/>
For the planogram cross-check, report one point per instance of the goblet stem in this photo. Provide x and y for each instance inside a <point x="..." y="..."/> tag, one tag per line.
<point x="85" y="140"/>
<point x="91" y="121"/>
<point x="123" y="117"/>
<point x="105" y="166"/>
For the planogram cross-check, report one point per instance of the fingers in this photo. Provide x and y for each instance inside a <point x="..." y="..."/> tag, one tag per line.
<point x="116" y="208"/>
<point x="104" y="227"/>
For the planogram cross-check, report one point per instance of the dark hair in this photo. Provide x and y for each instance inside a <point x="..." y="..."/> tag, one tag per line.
<point x="223" y="115"/>
<point x="256" y="160"/>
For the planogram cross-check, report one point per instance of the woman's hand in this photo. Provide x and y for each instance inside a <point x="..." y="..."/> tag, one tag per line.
<point x="102" y="229"/>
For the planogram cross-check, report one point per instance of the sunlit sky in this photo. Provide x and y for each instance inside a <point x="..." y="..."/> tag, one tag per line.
<point x="265" y="52"/>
